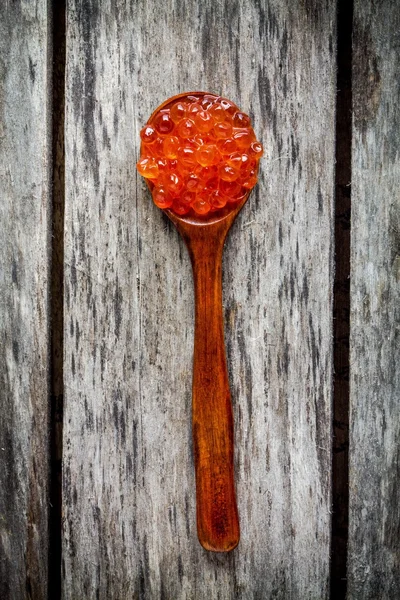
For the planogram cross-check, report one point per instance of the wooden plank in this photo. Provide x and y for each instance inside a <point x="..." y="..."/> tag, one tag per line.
<point x="129" y="498"/>
<point x="374" y="550"/>
<point x="24" y="275"/>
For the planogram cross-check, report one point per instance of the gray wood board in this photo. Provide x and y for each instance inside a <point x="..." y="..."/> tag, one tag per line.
<point x="129" y="494"/>
<point x="24" y="348"/>
<point x="374" y="537"/>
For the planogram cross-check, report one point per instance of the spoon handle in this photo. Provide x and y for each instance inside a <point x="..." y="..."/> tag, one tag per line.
<point x="217" y="514"/>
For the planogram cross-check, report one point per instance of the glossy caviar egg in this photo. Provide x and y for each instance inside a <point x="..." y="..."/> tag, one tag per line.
<point x="173" y="182"/>
<point x="204" y="121"/>
<point x="222" y="130"/>
<point x="228" y="146"/>
<point x="211" y="184"/>
<point x="155" y="149"/>
<point x="241" y="120"/>
<point x="179" y="207"/>
<point x="163" y="164"/>
<point x="171" y="146"/>
<point x="243" y="138"/>
<point x="201" y="206"/>
<point x="148" y="168"/>
<point x="178" y="111"/>
<point x="256" y="149"/>
<point x="164" y="124"/>
<point x="228" y="106"/>
<point x="194" y="183"/>
<point x="148" y="134"/>
<point x="187" y="157"/>
<point x="217" y="199"/>
<point x="187" y="197"/>
<point x="208" y="100"/>
<point x="193" y="109"/>
<point x="162" y="198"/>
<point x="230" y="188"/>
<point x="207" y="155"/>
<point x="217" y="112"/>
<point x="198" y="140"/>
<point x="235" y="160"/>
<point x="245" y="161"/>
<point x="250" y="180"/>
<point x="186" y="128"/>
<point x="228" y="173"/>
<point x="206" y="173"/>
<point x="199" y="154"/>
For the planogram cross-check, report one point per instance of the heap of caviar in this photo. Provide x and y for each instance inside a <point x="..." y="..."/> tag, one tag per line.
<point x="200" y="154"/>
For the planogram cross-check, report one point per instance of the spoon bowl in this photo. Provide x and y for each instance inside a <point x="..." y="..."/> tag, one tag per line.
<point x="194" y="219"/>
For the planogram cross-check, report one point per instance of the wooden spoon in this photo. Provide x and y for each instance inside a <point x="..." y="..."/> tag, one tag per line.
<point x="212" y="420"/>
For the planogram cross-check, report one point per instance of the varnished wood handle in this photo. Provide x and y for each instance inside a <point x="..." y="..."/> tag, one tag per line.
<point x="217" y="514"/>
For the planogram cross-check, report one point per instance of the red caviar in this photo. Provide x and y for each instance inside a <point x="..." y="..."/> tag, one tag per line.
<point x="200" y="154"/>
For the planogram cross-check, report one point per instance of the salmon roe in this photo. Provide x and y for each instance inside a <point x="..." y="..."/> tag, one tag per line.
<point x="200" y="154"/>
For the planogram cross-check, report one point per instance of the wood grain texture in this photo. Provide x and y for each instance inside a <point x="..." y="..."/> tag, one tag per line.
<point x="374" y="550"/>
<point x="24" y="340"/>
<point x="129" y="490"/>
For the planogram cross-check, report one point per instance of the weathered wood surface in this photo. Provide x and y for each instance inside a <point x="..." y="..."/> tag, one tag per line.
<point x="374" y="536"/>
<point x="24" y="217"/>
<point x="129" y="496"/>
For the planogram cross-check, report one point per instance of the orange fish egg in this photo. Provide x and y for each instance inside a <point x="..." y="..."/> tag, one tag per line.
<point x="154" y="149"/>
<point x="187" y="197"/>
<point x="194" y="183"/>
<point x="228" y="106"/>
<point x="256" y="149"/>
<point x="231" y="189"/>
<point x="208" y="100"/>
<point x="217" y="113"/>
<point x="186" y="128"/>
<point x="148" y="168"/>
<point x="243" y="138"/>
<point x="222" y="130"/>
<point x="204" y="121"/>
<point x="170" y="146"/>
<point x="207" y="155"/>
<point x="173" y="182"/>
<point x="250" y="180"/>
<point x="148" y="134"/>
<point x="241" y="120"/>
<point x="180" y="208"/>
<point x="211" y="184"/>
<point x="228" y="146"/>
<point x="164" y="124"/>
<point x="228" y="173"/>
<point x="193" y="109"/>
<point x="217" y="199"/>
<point x="162" y="198"/>
<point x="235" y="160"/>
<point x="206" y="173"/>
<point x="178" y="111"/>
<point x="201" y="205"/>
<point x="187" y="157"/>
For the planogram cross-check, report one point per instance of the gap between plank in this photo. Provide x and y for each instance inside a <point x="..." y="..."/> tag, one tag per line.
<point x="341" y="305"/>
<point x="58" y="17"/>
